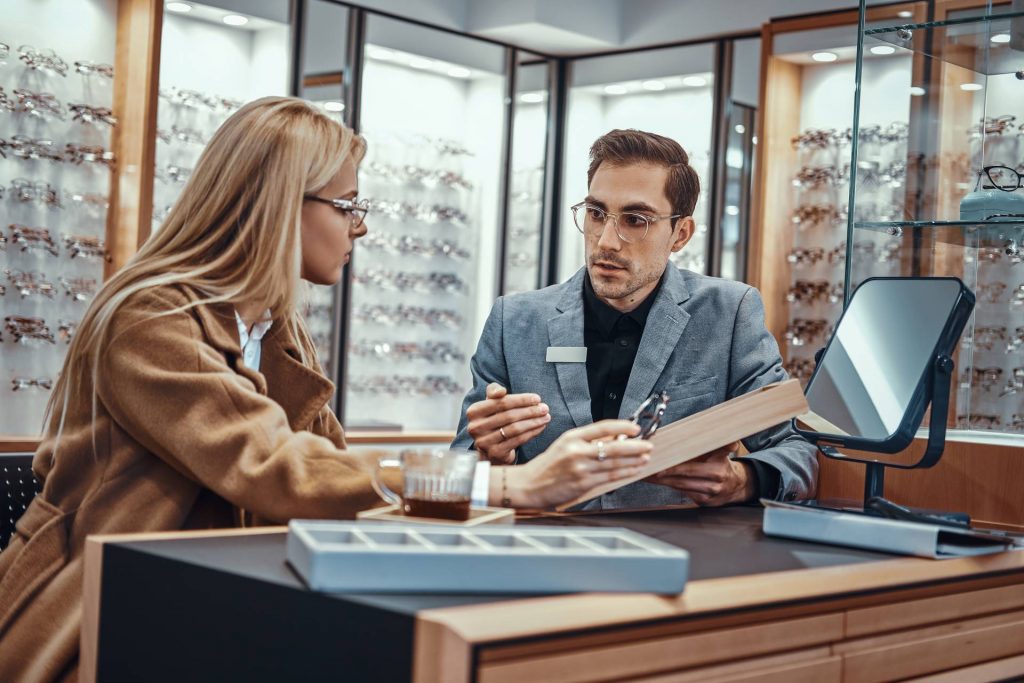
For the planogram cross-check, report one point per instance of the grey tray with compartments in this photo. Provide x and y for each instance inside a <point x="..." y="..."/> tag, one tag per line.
<point x="368" y="557"/>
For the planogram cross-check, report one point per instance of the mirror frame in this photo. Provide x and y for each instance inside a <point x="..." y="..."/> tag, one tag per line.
<point x="963" y="306"/>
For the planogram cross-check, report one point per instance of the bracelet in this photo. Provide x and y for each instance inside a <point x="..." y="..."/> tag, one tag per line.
<point x="506" y="502"/>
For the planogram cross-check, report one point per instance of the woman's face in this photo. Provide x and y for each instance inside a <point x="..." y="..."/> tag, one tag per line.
<point x="328" y="234"/>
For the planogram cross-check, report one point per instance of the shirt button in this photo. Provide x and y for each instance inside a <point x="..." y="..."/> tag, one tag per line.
<point x="623" y="342"/>
<point x="612" y="395"/>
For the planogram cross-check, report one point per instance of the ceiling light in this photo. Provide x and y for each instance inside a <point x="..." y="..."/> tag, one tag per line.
<point x="970" y="86"/>
<point x="1000" y="38"/>
<point x="883" y="50"/>
<point x="532" y="97"/>
<point x="178" y="7"/>
<point x="420" y="63"/>
<point x="334" y="105"/>
<point x="916" y="91"/>
<point x="740" y="128"/>
<point x="824" y="56"/>
<point x="615" y="90"/>
<point x="732" y="210"/>
<point x="653" y="85"/>
<point x="695" y="81"/>
<point x="374" y="52"/>
<point x="905" y="14"/>
<point x="753" y="139"/>
<point x="235" y="20"/>
<point x="459" y="72"/>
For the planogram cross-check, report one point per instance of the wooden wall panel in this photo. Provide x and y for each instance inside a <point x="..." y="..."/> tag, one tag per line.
<point x="136" y="84"/>
<point x="982" y="480"/>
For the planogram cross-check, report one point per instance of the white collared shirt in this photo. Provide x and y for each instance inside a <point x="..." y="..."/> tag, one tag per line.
<point x="251" y="342"/>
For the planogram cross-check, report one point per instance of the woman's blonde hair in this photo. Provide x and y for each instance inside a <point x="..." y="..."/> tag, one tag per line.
<point x="234" y="234"/>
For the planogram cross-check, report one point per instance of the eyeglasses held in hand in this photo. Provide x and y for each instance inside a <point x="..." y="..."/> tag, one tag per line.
<point x="648" y="415"/>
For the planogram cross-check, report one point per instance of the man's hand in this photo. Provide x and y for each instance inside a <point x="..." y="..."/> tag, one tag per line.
<point x="711" y="480"/>
<point x="503" y="422"/>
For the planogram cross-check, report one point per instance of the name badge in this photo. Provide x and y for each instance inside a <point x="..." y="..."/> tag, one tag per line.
<point x="567" y="354"/>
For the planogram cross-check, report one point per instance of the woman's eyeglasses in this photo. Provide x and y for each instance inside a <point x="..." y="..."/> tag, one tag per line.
<point x="355" y="210"/>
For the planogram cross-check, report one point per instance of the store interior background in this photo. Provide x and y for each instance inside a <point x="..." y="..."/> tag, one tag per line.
<point x="471" y="168"/>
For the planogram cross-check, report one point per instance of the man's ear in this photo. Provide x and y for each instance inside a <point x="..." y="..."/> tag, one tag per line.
<point x="685" y="228"/>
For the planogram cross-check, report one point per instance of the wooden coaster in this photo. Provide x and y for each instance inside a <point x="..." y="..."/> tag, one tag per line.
<point x="477" y="516"/>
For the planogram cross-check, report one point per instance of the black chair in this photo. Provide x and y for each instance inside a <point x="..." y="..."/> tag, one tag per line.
<point x="18" y="486"/>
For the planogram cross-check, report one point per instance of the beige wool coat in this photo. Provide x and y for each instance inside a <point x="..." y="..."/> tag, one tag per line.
<point x="185" y="437"/>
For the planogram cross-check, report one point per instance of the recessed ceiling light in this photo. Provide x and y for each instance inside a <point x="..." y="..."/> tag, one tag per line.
<point x="916" y="91"/>
<point x="653" y="85"/>
<point x="421" y="63"/>
<point x="824" y="56"/>
<point x="970" y="86"/>
<point x="905" y="14"/>
<point x="235" y="20"/>
<point x="374" y="52"/>
<point x="459" y="72"/>
<point x="1000" y="38"/>
<point x="532" y="97"/>
<point x="334" y="105"/>
<point x="740" y="128"/>
<point x="178" y="7"/>
<point x="882" y="50"/>
<point x="694" y="81"/>
<point x="615" y="90"/>
<point x="732" y="210"/>
<point x="753" y="139"/>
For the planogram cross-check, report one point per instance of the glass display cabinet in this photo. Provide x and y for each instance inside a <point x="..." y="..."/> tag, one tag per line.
<point x="57" y="168"/>
<point x="947" y="198"/>
<point x="525" y="203"/>
<point x="800" y="246"/>
<point x="425" y="277"/>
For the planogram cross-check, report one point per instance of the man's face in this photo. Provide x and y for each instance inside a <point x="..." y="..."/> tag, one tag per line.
<point x="629" y="271"/>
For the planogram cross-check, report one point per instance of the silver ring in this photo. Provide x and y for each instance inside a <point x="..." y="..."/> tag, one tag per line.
<point x="601" y="455"/>
<point x="501" y="430"/>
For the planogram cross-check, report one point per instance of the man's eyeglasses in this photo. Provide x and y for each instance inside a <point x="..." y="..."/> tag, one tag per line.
<point x="1002" y="178"/>
<point x="355" y="210"/>
<point x="630" y="226"/>
<point x="648" y="415"/>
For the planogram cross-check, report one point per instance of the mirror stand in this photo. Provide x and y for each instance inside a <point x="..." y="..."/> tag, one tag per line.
<point x="940" y="381"/>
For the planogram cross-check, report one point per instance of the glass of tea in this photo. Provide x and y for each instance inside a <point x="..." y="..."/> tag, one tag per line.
<point x="436" y="482"/>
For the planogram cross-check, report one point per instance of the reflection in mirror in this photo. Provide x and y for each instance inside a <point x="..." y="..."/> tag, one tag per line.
<point x="883" y="345"/>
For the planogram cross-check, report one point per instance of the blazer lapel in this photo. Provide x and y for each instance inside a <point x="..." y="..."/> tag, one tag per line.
<point x="566" y="329"/>
<point x="665" y="324"/>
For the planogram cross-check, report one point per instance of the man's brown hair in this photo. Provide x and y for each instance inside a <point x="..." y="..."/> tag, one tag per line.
<point x="631" y="146"/>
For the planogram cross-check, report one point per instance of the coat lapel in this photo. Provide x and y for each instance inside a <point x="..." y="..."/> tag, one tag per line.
<point x="665" y="324"/>
<point x="299" y="390"/>
<point x="566" y="329"/>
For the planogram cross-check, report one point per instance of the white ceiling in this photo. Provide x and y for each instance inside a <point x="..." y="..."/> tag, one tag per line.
<point x="566" y="27"/>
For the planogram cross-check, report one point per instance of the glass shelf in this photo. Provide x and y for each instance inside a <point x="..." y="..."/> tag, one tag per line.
<point x="965" y="41"/>
<point x="953" y="232"/>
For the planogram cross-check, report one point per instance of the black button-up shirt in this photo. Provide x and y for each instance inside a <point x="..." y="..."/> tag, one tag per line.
<point x="612" y="340"/>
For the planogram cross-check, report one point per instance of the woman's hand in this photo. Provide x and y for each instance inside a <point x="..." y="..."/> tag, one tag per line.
<point x="576" y="462"/>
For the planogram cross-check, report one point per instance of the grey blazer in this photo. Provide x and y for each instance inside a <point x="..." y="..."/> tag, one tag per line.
<point x="705" y="342"/>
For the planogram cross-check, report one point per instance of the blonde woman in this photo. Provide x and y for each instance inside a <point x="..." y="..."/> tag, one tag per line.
<point x="191" y="396"/>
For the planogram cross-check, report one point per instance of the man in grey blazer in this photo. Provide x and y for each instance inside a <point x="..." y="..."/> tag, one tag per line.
<point x="626" y="325"/>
